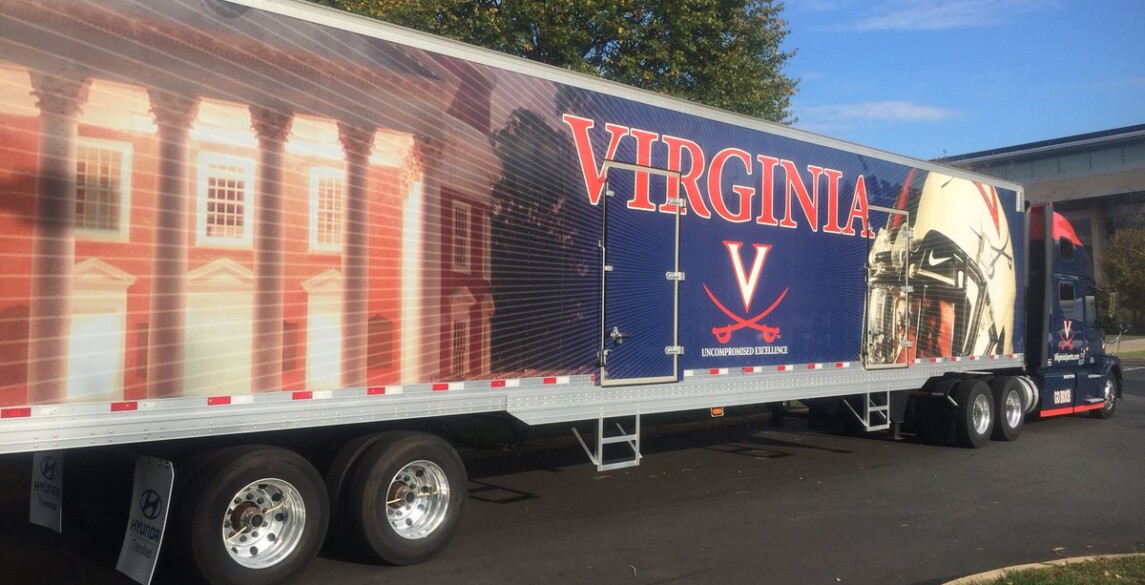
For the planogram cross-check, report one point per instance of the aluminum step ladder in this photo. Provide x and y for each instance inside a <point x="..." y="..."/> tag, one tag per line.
<point x="597" y="455"/>
<point x="876" y="415"/>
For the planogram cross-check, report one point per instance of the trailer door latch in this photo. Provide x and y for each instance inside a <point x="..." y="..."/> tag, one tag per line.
<point x="677" y="276"/>
<point x="617" y="336"/>
<point x="674" y="350"/>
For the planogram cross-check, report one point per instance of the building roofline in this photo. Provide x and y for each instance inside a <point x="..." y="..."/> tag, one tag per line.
<point x="1053" y="144"/>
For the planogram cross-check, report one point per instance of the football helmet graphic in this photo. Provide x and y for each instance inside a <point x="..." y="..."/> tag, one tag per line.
<point x="943" y="284"/>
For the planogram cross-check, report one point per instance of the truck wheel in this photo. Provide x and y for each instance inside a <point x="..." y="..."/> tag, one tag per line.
<point x="975" y="417"/>
<point x="337" y="475"/>
<point x="405" y="497"/>
<point x="253" y="515"/>
<point x="1110" y="394"/>
<point x="1009" y="408"/>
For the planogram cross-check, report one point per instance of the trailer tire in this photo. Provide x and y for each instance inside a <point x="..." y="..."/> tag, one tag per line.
<point x="239" y="487"/>
<point x="1111" y="392"/>
<point x="405" y="497"/>
<point x="337" y="475"/>
<point x="1008" y="407"/>
<point x="975" y="417"/>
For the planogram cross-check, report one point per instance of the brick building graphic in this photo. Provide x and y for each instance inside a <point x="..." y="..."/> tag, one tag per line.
<point x="234" y="212"/>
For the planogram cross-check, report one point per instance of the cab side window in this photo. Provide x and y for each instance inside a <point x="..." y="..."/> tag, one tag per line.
<point x="1065" y="249"/>
<point x="1091" y="312"/>
<point x="1066" y="299"/>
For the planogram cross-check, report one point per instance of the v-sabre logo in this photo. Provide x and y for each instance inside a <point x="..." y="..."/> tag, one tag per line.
<point x="748" y="281"/>
<point x="1066" y="335"/>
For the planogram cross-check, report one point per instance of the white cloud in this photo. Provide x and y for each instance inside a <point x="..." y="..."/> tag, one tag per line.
<point x="885" y="111"/>
<point x="946" y="14"/>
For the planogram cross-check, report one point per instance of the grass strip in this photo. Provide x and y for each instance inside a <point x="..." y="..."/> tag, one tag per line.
<point x="1120" y="570"/>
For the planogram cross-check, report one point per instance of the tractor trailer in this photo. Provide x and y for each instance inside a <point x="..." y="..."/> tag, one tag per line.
<point x="271" y="252"/>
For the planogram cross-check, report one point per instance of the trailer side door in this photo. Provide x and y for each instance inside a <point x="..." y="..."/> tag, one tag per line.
<point x="640" y="277"/>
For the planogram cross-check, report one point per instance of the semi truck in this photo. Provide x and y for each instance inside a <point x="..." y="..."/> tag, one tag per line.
<point x="276" y="254"/>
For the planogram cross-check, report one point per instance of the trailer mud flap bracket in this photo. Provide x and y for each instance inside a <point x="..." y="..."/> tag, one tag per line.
<point x="597" y="455"/>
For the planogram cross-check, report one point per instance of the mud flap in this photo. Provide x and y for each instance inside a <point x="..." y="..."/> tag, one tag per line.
<point x="147" y="520"/>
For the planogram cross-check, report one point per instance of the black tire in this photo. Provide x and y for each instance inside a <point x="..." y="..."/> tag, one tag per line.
<point x="405" y="496"/>
<point x="337" y="475"/>
<point x="975" y="417"/>
<point x="1009" y="407"/>
<point x="1111" y="391"/>
<point x="273" y="500"/>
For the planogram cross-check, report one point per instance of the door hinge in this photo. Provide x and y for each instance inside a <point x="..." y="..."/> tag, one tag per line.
<point x="677" y="276"/>
<point x="608" y="268"/>
<point x="674" y="350"/>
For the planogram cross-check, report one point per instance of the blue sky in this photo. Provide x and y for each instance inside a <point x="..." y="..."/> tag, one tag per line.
<point x="928" y="78"/>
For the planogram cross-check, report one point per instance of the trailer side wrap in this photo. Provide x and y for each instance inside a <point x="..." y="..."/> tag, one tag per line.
<point x="257" y="206"/>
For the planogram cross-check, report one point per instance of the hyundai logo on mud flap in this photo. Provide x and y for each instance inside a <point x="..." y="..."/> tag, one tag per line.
<point x="150" y="504"/>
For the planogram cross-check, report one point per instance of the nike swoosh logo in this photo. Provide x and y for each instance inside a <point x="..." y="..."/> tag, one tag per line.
<point x="936" y="261"/>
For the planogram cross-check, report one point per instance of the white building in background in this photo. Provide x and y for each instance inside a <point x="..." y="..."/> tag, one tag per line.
<point x="1097" y="180"/>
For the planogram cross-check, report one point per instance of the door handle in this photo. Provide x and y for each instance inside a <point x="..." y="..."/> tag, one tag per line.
<point x="617" y="336"/>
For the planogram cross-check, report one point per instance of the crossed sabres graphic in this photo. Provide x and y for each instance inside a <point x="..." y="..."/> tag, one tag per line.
<point x="724" y="334"/>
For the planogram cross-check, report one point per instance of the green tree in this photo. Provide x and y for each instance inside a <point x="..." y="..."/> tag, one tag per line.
<point x="1125" y="269"/>
<point x="724" y="53"/>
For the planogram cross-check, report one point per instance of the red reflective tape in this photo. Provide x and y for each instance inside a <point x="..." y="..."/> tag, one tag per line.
<point x="935" y="360"/>
<point x="1086" y="407"/>
<point x="218" y="400"/>
<point x="810" y="366"/>
<point x="441" y="387"/>
<point x="748" y="369"/>
<point x="840" y="365"/>
<point x="375" y="391"/>
<point x="15" y="412"/>
<point x="497" y="384"/>
<point x="550" y="381"/>
<point x="124" y="406"/>
<point x="1058" y="411"/>
<point x="714" y="372"/>
<point x="302" y="395"/>
<point x="783" y="368"/>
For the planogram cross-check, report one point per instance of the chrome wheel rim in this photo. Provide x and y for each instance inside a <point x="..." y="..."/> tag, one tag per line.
<point x="417" y="501"/>
<point x="980" y="414"/>
<point x="1109" y="394"/>
<point x="264" y="523"/>
<point x="1013" y="407"/>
